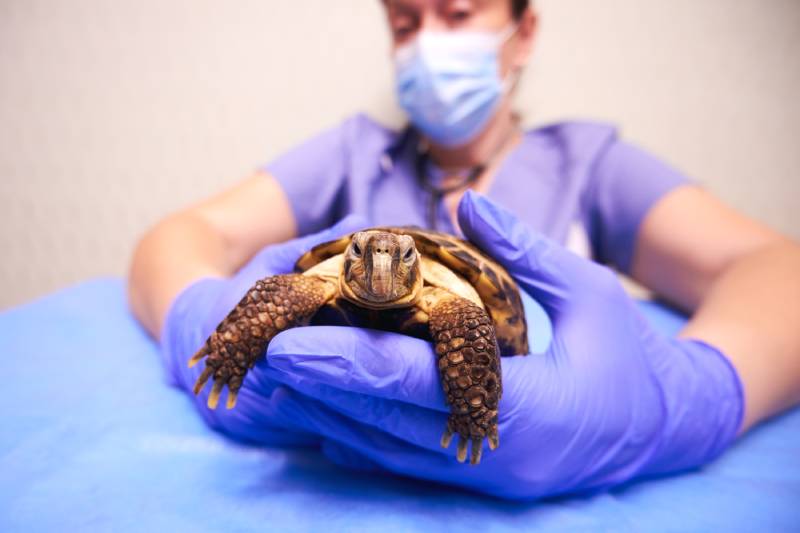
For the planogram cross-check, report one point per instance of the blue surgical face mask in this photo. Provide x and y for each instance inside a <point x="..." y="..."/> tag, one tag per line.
<point x="449" y="82"/>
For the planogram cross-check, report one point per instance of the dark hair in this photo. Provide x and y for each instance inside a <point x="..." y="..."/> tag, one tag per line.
<point x="518" y="7"/>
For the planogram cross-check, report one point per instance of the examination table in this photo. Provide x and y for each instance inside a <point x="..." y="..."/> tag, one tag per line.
<point x="94" y="439"/>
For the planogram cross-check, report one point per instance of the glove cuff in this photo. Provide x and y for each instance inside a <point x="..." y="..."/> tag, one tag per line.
<point x="183" y="331"/>
<point x="704" y="404"/>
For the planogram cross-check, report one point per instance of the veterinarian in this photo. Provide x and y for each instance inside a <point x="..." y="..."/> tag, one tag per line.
<point x="610" y="399"/>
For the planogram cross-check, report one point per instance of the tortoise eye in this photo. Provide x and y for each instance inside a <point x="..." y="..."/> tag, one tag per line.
<point x="356" y="249"/>
<point x="408" y="255"/>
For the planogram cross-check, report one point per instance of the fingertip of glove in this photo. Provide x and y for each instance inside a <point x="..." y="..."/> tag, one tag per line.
<point x="494" y="229"/>
<point x="467" y="208"/>
<point x="521" y="249"/>
<point x="350" y="223"/>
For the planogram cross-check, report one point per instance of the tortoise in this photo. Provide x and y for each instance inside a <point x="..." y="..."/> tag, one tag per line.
<point x="405" y="279"/>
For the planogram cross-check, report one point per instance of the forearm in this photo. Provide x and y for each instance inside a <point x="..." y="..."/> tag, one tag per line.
<point x="179" y="250"/>
<point x="751" y="313"/>
<point x="214" y="238"/>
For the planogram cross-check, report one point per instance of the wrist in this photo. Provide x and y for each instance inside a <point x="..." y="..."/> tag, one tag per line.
<point x="186" y="322"/>
<point x="703" y="406"/>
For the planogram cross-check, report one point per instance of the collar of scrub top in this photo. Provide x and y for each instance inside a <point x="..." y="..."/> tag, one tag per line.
<point x="395" y="149"/>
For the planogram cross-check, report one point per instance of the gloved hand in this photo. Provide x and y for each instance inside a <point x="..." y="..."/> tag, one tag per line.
<point x="610" y="399"/>
<point x="199" y="308"/>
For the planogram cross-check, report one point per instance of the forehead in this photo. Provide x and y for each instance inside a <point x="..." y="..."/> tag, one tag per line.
<point x="385" y="236"/>
<point x="417" y="5"/>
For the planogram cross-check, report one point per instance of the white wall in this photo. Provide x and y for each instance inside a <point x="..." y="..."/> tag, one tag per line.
<point x="114" y="113"/>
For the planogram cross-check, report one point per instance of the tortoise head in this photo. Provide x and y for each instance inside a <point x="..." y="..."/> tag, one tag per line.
<point x="381" y="270"/>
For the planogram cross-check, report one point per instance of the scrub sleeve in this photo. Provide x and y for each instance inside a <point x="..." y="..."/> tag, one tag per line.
<point x="624" y="185"/>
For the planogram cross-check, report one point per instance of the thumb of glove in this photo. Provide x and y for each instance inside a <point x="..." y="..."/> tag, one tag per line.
<point x="551" y="274"/>
<point x="281" y="257"/>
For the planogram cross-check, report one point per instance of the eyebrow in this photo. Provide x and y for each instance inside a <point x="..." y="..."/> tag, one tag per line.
<point x="400" y="4"/>
<point x="400" y="9"/>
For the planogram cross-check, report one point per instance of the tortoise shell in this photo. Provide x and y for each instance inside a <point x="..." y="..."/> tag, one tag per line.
<point x="496" y="288"/>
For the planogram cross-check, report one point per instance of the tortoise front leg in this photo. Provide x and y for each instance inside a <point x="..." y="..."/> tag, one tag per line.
<point x="272" y="305"/>
<point x="469" y="367"/>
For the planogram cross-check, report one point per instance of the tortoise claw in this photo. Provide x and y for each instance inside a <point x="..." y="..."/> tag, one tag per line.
<point x="477" y="450"/>
<point x="494" y="439"/>
<point x="213" y="398"/>
<point x="196" y="358"/>
<point x="202" y="379"/>
<point x="461" y="454"/>
<point x="447" y="438"/>
<point x="234" y="383"/>
<point x="232" y="395"/>
<point x="458" y="424"/>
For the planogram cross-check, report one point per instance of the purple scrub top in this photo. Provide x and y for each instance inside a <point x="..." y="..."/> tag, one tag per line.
<point x="558" y="175"/>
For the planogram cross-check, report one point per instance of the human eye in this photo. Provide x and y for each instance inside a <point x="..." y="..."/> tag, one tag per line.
<point x="402" y="31"/>
<point x="459" y="13"/>
<point x="459" y="17"/>
<point x="403" y="24"/>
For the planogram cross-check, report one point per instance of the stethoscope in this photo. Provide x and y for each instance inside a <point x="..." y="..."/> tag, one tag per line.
<point x="436" y="193"/>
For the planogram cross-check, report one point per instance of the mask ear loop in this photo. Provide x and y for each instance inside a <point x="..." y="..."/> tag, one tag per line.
<point x="506" y="33"/>
<point x="512" y="78"/>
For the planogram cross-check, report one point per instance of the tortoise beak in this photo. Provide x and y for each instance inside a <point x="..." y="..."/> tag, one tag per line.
<point x="380" y="280"/>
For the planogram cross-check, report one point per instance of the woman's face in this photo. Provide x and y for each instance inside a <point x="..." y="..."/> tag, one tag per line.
<point x="407" y="18"/>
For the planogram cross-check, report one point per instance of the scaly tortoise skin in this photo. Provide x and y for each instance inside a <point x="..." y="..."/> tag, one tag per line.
<point x="423" y="283"/>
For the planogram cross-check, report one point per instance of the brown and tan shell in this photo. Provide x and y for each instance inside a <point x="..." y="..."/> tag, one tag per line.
<point x="496" y="288"/>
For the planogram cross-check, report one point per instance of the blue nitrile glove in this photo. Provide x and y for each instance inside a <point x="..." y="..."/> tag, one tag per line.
<point x="199" y="308"/>
<point x="610" y="399"/>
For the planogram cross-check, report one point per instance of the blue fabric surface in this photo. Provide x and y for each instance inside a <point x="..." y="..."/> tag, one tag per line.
<point x="93" y="439"/>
